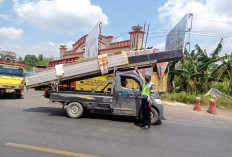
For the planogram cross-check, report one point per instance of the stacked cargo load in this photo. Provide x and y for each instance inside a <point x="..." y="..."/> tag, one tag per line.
<point x="92" y="67"/>
<point x="74" y="70"/>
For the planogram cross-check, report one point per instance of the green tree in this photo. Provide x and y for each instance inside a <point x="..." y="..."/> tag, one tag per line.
<point x="40" y="57"/>
<point x="30" y="61"/>
<point x="20" y="59"/>
<point x="45" y="61"/>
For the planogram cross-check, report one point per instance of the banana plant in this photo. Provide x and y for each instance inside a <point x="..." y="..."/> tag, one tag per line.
<point x="227" y="67"/>
<point x="197" y="70"/>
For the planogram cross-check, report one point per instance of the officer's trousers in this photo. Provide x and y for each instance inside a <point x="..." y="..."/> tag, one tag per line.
<point x="146" y="112"/>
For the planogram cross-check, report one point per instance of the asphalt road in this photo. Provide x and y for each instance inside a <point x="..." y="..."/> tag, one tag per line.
<point x="34" y="127"/>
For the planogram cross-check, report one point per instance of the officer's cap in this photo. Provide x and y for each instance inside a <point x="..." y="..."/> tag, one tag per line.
<point x="148" y="75"/>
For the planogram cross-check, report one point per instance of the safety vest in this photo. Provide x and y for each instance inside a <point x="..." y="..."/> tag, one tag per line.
<point x="146" y="90"/>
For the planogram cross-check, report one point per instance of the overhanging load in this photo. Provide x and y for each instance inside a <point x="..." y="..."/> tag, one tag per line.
<point x="90" y="68"/>
<point x="165" y="56"/>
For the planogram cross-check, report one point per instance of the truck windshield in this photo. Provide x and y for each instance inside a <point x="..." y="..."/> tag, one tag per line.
<point x="11" y="70"/>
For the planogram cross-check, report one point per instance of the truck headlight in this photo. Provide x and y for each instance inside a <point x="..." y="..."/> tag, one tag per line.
<point x="158" y="101"/>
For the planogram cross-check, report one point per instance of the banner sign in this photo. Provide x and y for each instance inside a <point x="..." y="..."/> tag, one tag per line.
<point x="91" y="43"/>
<point x="176" y="37"/>
<point x="175" y="40"/>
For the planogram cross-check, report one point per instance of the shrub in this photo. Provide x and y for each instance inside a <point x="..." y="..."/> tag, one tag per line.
<point x="221" y="102"/>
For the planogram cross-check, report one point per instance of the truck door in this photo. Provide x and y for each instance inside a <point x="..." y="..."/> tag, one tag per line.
<point x="128" y="94"/>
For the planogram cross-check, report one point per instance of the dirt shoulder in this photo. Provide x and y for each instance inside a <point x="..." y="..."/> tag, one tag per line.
<point x="220" y="112"/>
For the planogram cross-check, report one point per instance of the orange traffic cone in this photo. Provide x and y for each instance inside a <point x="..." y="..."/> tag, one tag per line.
<point x="197" y="106"/>
<point x="212" y="107"/>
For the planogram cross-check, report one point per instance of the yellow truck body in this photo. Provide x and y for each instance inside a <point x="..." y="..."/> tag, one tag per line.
<point x="11" y="78"/>
<point x="90" y="84"/>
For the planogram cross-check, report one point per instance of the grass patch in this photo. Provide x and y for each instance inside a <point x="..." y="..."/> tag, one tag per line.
<point x="221" y="102"/>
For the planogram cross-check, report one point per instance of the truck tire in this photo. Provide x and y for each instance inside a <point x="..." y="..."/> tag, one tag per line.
<point x="8" y="58"/>
<point x="75" y="110"/>
<point x="154" y="116"/>
<point x="18" y="94"/>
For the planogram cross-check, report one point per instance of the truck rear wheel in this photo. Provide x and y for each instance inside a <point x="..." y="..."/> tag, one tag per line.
<point x="18" y="94"/>
<point x="75" y="110"/>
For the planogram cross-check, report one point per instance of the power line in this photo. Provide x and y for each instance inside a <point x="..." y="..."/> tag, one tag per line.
<point x="151" y="37"/>
<point x="158" y="26"/>
<point x="216" y="33"/>
<point x="207" y="35"/>
<point x="225" y="40"/>
<point x="120" y="35"/>
<point x="168" y="30"/>
<point x="198" y="34"/>
<point x="159" y="32"/>
<point x="203" y="32"/>
<point x="211" y="20"/>
<point x="210" y="45"/>
<point x="228" y="30"/>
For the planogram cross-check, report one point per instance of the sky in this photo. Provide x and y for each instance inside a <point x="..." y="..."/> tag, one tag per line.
<point x="40" y="26"/>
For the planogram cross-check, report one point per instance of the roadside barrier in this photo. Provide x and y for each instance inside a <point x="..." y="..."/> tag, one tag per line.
<point x="212" y="107"/>
<point x="197" y="106"/>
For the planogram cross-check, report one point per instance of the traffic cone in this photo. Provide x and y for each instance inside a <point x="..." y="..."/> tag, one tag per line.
<point x="197" y="106"/>
<point x="212" y="107"/>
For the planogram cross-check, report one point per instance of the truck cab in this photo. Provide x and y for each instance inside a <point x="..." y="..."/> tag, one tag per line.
<point x="115" y="98"/>
<point x="11" y="78"/>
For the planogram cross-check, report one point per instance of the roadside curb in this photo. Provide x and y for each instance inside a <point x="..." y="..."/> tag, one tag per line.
<point x="189" y="107"/>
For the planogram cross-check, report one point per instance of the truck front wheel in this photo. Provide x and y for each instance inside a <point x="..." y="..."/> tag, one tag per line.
<point x="75" y="110"/>
<point x="154" y="116"/>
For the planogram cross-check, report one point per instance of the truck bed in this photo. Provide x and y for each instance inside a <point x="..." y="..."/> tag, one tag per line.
<point x="80" y="96"/>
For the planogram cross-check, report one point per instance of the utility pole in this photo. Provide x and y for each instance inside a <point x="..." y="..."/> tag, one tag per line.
<point x="190" y="16"/>
<point x="144" y="28"/>
<point x="147" y="35"/>
<point x="99" y="38"/>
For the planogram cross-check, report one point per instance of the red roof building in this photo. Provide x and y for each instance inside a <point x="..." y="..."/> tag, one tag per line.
<point x="105" y="45"/>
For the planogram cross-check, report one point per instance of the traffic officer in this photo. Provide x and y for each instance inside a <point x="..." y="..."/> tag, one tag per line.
<point x="146" y="97"/>
<point x="147" y="91"/>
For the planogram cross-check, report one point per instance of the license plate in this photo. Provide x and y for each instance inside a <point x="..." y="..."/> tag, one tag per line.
<point x="10" y="90"/>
